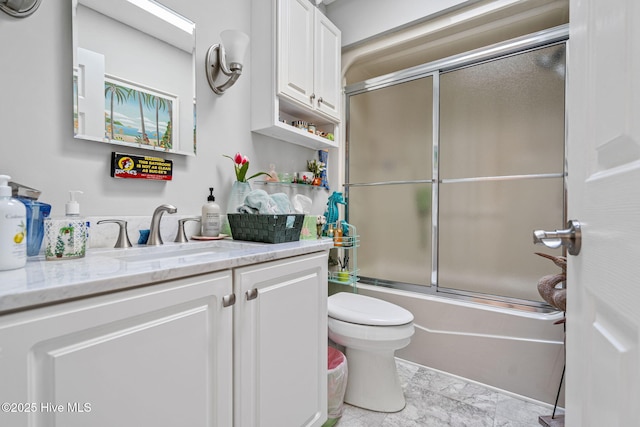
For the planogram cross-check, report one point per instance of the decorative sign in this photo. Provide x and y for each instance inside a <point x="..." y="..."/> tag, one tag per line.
<point x="139" y="167"/>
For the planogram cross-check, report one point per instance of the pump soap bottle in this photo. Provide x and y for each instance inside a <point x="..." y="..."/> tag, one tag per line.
<point x="13" y="231"/>
<point x="66" y="237"/>
<point x="210" y="220"/>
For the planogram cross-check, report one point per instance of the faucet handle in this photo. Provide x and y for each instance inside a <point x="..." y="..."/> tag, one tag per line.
<point x="181" y="236"/>
<point x="123" y="236"/>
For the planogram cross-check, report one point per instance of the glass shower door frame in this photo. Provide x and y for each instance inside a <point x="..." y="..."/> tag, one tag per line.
<point x="557" y="35"/>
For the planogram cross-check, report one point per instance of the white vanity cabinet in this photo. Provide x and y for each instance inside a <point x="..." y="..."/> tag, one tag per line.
<point x="280" y="343"/>
<point x="296" y="54"/>
<point x="245" y="347"/>
<point x="157" y="355"/>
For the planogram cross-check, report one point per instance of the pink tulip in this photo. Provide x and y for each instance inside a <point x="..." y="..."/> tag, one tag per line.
<point x="241" y="167"/>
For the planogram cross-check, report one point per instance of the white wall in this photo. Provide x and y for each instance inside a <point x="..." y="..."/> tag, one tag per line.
<point x="379" y="16"/>
<point x="37" y="144"/>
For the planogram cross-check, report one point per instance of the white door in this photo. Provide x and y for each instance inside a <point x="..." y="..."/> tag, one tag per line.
<point x="280" y="343"/>
<point x="603" y="313"/>
<point x="327" y="79"/>
<point x="156" y="356"/>
<point x="295" y="50"/>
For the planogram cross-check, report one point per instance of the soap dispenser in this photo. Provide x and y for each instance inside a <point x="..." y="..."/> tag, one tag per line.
<point x="210" y="221"/>
<point x="66" y="237"/>
<point x="13" y="232"/>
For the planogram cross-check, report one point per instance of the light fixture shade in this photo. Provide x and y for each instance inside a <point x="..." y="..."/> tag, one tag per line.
<point x="235" y="45"/>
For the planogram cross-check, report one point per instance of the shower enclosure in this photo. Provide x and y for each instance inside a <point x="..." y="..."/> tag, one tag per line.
<point x="451" y="165"/>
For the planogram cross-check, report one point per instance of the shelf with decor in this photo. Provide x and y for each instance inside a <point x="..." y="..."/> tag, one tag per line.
<point x="296" y="50"/>
<point x="343" y="257"/>
<point x="290" y="184"/>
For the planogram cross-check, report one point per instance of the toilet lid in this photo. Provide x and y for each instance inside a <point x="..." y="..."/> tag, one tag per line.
<point x="364" y="310"/>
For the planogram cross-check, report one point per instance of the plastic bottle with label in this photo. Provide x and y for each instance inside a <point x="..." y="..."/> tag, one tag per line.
<point x="66" y="237"/>
<point x="13" y="231"/>
<point x="210" y="221"/>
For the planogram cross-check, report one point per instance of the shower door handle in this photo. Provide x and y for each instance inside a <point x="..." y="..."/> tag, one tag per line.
<point x="571" y="237"/>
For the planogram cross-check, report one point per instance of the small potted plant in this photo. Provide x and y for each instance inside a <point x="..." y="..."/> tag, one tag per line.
<point x="316" y="167"/>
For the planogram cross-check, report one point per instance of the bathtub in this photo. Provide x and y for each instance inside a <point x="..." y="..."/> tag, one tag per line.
<point x="515" y="351"/>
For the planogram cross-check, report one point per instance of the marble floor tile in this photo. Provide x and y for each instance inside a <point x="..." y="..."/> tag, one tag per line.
<point x="456" y="388"/>
<point x="520" y="411"/>
<point x="358" y="417"/>
<point x="435" y="399"/>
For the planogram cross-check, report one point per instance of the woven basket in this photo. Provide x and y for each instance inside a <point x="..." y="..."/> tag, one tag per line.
<point x="265" y="228"/>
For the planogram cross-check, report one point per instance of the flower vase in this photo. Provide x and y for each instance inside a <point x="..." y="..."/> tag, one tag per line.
<point x="239" y="191"/>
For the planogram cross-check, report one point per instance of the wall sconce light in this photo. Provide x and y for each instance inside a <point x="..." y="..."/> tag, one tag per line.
<point x="19" y="8"/>
<point x="226" y="57"/>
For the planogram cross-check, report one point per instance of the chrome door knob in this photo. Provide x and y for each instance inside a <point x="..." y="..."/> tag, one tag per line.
<point x="571" y="237"/>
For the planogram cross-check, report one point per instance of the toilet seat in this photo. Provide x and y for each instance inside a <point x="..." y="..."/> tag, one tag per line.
<point x="364" y="310"/>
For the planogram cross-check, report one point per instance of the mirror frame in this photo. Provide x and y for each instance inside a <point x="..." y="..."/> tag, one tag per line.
<point x="104" y="77"/>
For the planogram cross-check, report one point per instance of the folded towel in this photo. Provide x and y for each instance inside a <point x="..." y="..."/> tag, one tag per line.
<point x="244" y="209"/>
<point x="283" y="203"/>
<point x="260" y="202"/>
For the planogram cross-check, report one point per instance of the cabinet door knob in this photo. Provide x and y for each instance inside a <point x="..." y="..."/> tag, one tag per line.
<point x="320" y="100"/>
<point x="252" y="294"/>
<point x="312" y="97"/>
<point x="228" y="300"/>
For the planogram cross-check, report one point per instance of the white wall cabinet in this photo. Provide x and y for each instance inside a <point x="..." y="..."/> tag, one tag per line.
<point x="280" y="343"/>
<point x="308" y="57"/>
<point x="297" y="76"/>
<point x="154" y="356"/>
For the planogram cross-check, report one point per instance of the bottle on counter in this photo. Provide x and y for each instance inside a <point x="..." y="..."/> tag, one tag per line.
<point x="337" y="236"/>
<point x="13" y="231"/>
<point x="210" y="221"/>
<point x="66" y="237"/>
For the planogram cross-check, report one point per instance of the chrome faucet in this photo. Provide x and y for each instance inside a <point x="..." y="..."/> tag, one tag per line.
<point x="154" y="231"/>
<point x="123" y="236"/>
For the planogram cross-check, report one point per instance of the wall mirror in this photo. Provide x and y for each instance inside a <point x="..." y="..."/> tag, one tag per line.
<point x="134" y="75"/>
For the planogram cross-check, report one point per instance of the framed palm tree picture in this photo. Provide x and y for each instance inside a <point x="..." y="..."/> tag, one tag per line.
<point x="139" y="116"/>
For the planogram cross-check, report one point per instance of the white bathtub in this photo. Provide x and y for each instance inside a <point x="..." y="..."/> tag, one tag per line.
<point x="516" y="351"/>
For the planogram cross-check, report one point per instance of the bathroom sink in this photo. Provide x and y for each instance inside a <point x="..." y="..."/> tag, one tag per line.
<point x="176" y="251"/>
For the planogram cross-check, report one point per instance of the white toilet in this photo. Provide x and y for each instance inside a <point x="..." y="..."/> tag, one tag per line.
<point x="371" y="330"/>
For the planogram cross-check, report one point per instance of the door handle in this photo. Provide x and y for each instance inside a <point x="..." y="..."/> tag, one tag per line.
<point x="252" y="294"/>
<point x="228" y="300"/>
<point x="571" y="237"/>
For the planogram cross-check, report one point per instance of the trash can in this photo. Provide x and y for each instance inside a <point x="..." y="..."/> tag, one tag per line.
<point x="336" y="385"/>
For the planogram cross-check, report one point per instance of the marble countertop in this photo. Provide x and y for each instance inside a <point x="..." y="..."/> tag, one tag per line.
<point x="43" y="282"/>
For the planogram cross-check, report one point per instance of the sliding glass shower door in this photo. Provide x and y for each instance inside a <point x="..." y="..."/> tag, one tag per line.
<point x="390" y="171"/>
<point x="449" y="170"/>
